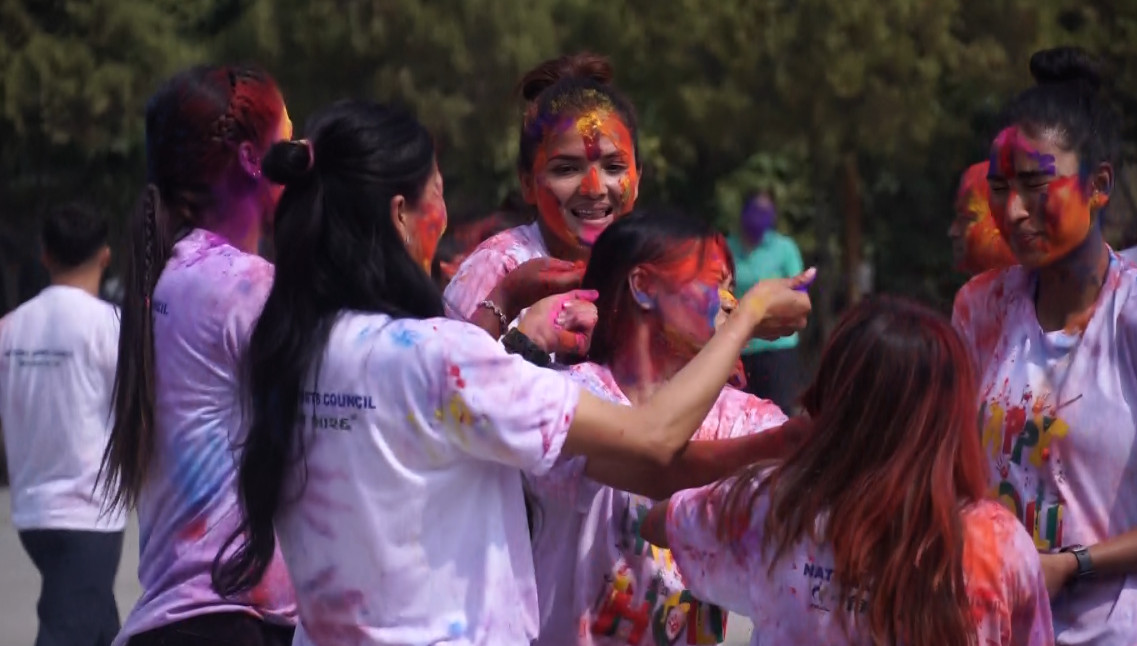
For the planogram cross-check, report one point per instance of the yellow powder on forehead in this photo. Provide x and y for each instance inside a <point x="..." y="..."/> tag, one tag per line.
<point x="590" y="123"/>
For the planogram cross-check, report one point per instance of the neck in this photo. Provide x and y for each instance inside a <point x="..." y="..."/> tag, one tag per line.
<point x="1068" y="288"/>
<point x="238" y="221"/>
<point x="558" y="248"/>
<point x="643" y="362"/>
<point x="85" y="277"/>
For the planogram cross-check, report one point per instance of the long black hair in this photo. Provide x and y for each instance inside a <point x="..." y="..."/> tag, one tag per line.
<point x="337" y="249"/>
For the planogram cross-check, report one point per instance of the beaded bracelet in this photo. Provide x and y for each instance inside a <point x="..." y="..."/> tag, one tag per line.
<point x="492" y="306"/>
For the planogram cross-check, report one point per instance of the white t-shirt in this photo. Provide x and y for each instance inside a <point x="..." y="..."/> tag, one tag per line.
<point x="57" y="364"/>
<point x="1057" y="416"/>
<point x="1129" y="254"/>
<point x="798" y="600"/>
<point x="483" y="269"/>
<point x="410" y="528"/>
<point x="204" y="306"/>
<point x="598" y="582"/>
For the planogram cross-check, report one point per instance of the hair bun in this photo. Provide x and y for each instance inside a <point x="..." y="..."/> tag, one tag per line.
<point x="287" y="162"/>
<point x="583" y="65"/>
<point x="1066" y="65"/>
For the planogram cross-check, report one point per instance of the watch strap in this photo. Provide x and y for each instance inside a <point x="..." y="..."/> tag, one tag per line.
<point x="1082" y="555"/>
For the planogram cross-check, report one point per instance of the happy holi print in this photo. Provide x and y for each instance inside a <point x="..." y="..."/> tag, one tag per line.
<point x="597" y="146"/>
<point x="1022" y="177"/>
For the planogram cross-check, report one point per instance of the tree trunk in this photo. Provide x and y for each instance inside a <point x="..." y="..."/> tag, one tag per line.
<point x="853" y="207"/>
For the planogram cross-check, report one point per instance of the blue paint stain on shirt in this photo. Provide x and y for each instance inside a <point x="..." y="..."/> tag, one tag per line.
<point x="405" y="337"/>
<point x="457" y="629"/>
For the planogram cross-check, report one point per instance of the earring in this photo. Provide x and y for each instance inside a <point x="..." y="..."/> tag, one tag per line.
<point x="406" y="239"/>
<point x="642" y="300"/>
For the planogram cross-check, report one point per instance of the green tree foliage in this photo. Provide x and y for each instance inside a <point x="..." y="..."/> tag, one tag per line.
<point x="858" y="115"/>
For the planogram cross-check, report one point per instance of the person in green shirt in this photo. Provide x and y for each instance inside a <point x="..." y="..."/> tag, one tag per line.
<point x="773" y="368"/>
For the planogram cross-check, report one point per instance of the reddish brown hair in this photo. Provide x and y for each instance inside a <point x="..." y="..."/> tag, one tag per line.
<point x="893" y="454"/>
<point x="194" y="124"/>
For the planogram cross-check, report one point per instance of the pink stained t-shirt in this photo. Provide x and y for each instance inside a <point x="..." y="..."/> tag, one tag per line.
<point x="798" y="600"/>
<point x="1058" y="415"/>
<point x="204" y="306"/>
<point x="482" y="270"/>
<point x="410" y="526"/>
<point x="598" y="582"/>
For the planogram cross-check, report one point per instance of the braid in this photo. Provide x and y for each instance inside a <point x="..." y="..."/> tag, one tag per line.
<point x="150" y="205"/>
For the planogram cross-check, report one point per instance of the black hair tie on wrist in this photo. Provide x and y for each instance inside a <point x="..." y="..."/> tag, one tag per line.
<point x="516" y="342"/>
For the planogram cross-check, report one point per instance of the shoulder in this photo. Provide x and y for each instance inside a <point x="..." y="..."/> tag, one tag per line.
<point x="737" y="413"/>
<point x="995" y="540"/>
<point x="518" y="244"/>
<point x="597" y="379"/>
<point x="985" y="300"/>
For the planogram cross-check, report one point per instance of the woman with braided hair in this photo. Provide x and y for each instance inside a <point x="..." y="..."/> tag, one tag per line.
<point x="194" y="288"/>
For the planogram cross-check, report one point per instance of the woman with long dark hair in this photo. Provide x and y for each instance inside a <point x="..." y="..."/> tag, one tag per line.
<point x="386" y="441"/>
<point x="663" y="284"/>
<point x="875" y="530"/>
<point x="1055" y="339"/>
<point x="194" y="286"/>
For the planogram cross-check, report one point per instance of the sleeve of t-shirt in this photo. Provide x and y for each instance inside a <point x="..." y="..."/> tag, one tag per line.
<point x="108" y="346"/>
<point x="246" y="301"/>
<point x="793" y="264"/>
<point x="496" y="406"/>
<point x="757" y="415"/>
<point x="475" y="279"/>
<point x="1031" y="621"/>
<point x="715" y="571"/>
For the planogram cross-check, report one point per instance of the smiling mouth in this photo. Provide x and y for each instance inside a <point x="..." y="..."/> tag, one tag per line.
<point x="592" y="214"/>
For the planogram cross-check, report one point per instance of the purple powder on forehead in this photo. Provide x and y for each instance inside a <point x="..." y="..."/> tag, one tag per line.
<point x="757" y="218"/>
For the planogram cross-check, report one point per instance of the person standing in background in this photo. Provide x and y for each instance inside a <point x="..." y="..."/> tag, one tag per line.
<point x="58" y="354"/>
<point x="772" y="367"/>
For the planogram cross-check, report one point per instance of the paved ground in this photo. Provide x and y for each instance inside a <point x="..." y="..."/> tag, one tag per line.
<point x="19" y="586"/>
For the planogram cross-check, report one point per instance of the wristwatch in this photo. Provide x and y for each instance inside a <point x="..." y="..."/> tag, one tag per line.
<point x="1085" y="565"/>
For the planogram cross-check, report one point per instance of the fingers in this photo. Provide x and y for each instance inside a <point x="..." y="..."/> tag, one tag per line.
<point x="802" y="281"/>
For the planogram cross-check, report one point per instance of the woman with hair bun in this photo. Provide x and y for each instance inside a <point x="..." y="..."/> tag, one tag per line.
<point x="194" y="287"/>
<point x="578" y="162"/>
<point x="1055" y="341"/>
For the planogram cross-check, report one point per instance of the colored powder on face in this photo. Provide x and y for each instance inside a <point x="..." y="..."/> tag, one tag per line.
<point x="592" y="126"/>
<point x="429" y="226"/>
<point x="1065" y="210"/>
<point x="983" y="246"/>
<point x="757" y="218"/>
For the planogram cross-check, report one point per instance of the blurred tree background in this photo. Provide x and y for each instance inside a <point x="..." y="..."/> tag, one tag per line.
<point x="858" y="115"/>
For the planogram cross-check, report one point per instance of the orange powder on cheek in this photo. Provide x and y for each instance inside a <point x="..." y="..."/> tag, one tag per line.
<point x="984" y="245"/>
<point x="1068" y="216"/>
<point x="429" y="227"/>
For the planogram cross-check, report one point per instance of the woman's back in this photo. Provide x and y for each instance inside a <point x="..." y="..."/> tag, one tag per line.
<point x="798" y="601"/>
<point x="406" y="422"/>
<point x="204" y="307"/>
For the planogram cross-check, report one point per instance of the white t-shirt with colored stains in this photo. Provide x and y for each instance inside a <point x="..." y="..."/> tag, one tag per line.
<point x="798" y="600"/>
<point x="483" y="269"/>
<point x="1057" y="419"/>
<point x="410" y="524"/>
<point x="599" y="583"/>
<point x="204" y="306"/>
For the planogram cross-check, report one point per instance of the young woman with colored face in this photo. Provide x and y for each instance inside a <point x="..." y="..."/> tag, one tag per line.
<point x="875" y="529"/>
<point x="662" y="281"/>
<point x="386" y="441"/>
<point x="578" y="163"/>
<point x="976" y="244"/>
<point x="194" y="286"/>
<point x="1055" y="340"/>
